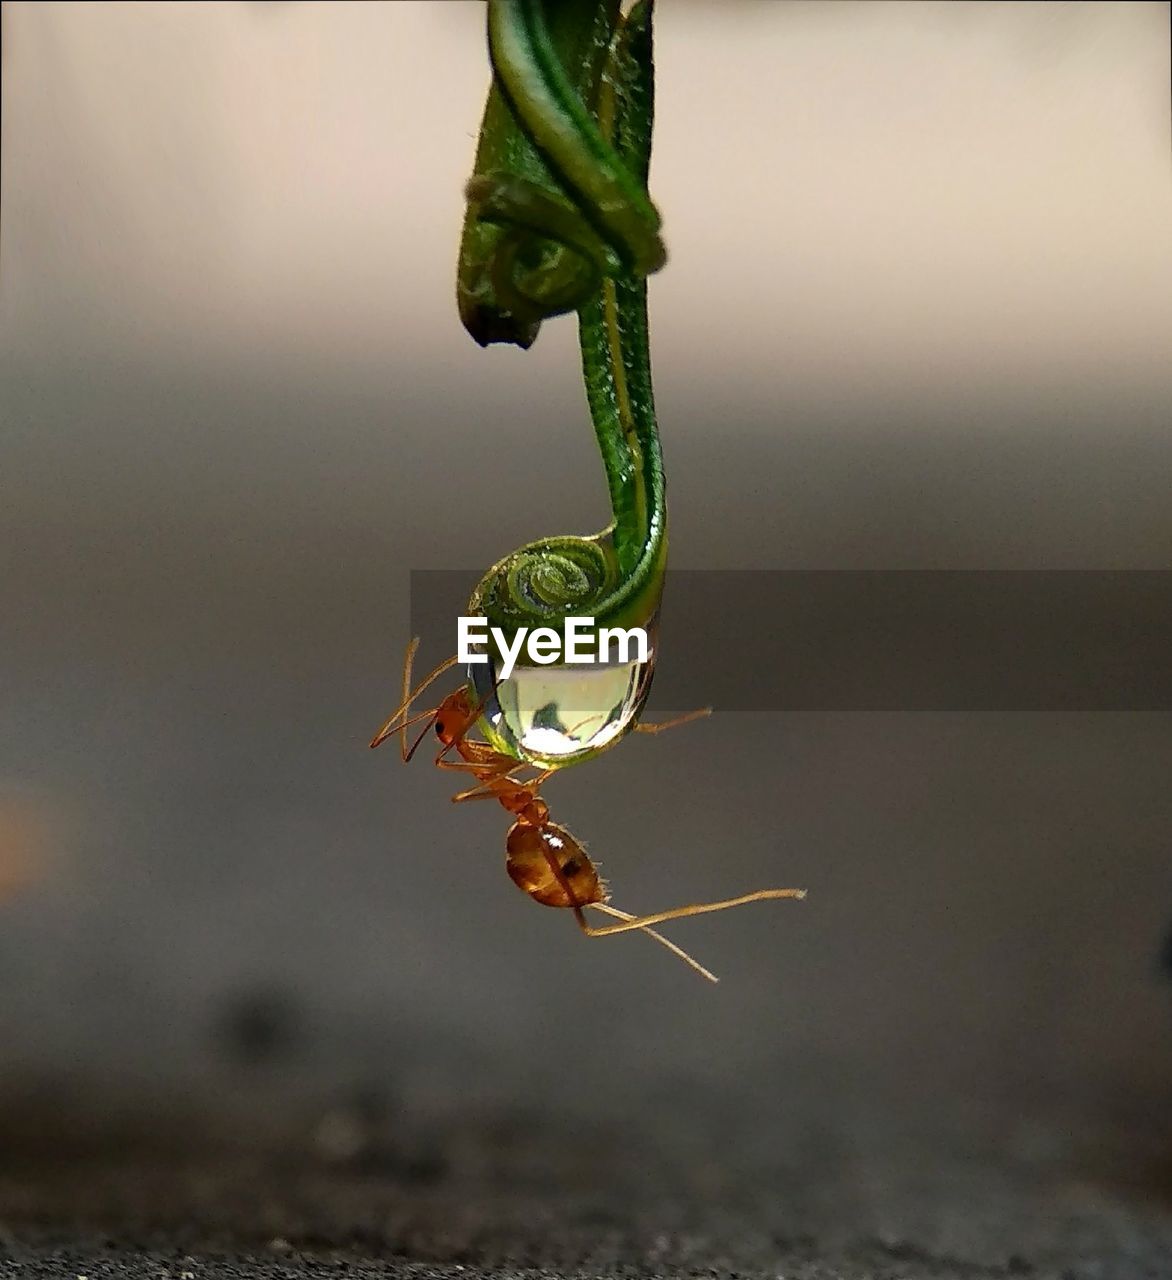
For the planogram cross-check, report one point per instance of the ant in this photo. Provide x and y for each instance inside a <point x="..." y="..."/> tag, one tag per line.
<point x="543" y="859"/>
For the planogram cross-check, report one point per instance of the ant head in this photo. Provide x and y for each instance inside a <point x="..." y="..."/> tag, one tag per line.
<point x="533" y="854"/>
<point x="452" y="717"/>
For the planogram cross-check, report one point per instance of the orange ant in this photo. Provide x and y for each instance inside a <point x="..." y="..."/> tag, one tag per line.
<point x="543" y="858"/>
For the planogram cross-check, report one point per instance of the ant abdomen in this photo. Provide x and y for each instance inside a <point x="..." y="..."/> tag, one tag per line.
<point x="534" y="851"/>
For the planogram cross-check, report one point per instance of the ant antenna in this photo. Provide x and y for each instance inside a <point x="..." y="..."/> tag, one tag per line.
<point x="409" y="697"/>
<point x="430" y="716"/>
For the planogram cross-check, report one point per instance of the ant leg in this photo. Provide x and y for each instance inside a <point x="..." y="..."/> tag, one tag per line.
<point x="486" y="785"/>
<point x="461" y="797"/>
<point x="486" y="789"/>
<point x="501" y="765"/>
<point x="687" y="718"/>
<point x="539" y="779"/>
<point x="409" y="697"/>
<point x="652" y="933"/>
<point x="681" y="913"/>
<point x="494" y="767"/>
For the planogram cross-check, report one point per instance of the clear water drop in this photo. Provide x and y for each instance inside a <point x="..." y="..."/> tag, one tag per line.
<point x="564" y="713"/>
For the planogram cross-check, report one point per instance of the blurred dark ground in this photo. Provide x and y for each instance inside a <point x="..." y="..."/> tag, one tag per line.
<point x="268" y="1001"/>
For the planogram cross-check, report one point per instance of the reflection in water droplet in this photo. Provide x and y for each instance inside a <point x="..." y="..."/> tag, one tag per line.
<point x="561" y="714"/>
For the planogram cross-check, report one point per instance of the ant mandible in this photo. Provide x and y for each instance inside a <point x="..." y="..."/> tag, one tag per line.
<point x="543" y="859"/>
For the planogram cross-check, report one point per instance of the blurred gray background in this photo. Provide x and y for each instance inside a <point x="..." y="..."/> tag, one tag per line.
<point x="917" y="315"/>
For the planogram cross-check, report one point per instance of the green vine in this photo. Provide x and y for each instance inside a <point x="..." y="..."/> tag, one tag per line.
<point x="559" y="220"/>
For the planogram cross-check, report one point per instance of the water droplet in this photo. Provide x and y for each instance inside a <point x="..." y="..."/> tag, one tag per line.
<point x="564" y="713"/>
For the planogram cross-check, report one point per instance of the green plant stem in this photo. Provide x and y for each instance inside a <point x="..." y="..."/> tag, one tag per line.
<point x="559" y="218"/>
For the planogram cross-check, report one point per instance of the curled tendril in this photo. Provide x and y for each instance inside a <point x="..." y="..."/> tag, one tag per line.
<point x="559" y="220"/>
<point x="547" y="580"/>
<point x="549" y="259"/>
